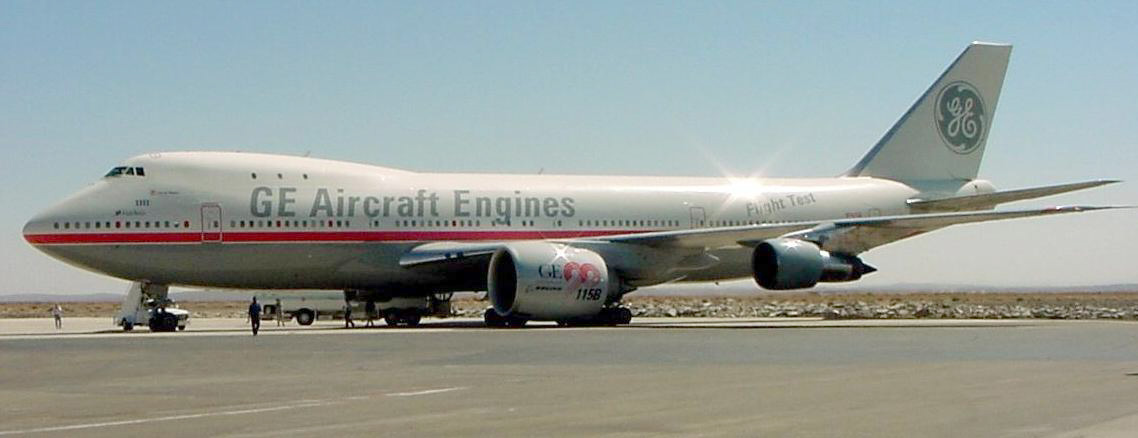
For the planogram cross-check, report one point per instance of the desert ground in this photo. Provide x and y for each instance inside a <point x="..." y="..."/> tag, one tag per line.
<point x="1087" y="305"/>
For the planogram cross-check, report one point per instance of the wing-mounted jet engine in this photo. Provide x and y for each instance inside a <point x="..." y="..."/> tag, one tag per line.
<point x="782" y="264"/>
<point x="551" y="281"/>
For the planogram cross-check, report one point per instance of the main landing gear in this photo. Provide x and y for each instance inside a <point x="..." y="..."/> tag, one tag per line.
<point x="402" y="317"/>
<point x="615" y="316"/>
<point x="493" y="319"/>
<point x="608" y="316"/>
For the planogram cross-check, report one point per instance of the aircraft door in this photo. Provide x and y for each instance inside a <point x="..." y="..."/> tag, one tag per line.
<point x="211" y="223"/>
<point x="698" y="217"/>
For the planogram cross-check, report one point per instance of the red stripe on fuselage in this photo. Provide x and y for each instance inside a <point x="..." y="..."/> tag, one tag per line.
<point x="52" y="239"/>
<point x="313" y="236"/>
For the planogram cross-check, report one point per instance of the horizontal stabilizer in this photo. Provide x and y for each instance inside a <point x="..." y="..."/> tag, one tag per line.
<point x="988" y="201"/>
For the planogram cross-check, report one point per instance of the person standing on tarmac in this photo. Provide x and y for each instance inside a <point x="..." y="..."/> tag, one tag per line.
<point x="255" y="315"/>
<point x="369" y="308"/>
<point x="57" y="313"/>
<point x="280" y="314"/>
<point x="348" y="315"/>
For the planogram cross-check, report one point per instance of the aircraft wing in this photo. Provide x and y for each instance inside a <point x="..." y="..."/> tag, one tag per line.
<point x="849" y="236"/>
<point x="988" y="201"/>
<point x="436" y="252"/>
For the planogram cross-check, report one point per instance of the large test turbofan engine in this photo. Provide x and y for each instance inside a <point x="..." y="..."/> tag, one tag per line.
<point x="548" y="281"/>
<point x="782" y="264"/>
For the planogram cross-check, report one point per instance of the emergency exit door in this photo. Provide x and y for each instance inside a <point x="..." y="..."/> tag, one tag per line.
<point x="211" y="223"/>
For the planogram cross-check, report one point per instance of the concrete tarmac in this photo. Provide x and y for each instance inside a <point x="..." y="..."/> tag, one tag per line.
<point x="671" y="376"/>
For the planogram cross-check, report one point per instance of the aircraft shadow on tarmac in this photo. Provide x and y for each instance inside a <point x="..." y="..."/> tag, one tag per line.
<point x="686" y="324"/>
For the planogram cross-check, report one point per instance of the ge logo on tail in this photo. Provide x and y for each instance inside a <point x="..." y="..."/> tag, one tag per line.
<point x="960" y="117"/>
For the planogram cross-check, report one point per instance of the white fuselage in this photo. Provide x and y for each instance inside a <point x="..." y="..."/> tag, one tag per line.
<point x="263" y="221"/>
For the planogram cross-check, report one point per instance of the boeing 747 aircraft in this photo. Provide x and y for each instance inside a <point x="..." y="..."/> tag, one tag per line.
<point x="545" y="247"/>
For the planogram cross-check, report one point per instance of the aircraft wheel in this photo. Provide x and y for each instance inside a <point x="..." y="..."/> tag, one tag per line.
<point x="411" y="317"/>
<point x="623" y="315"/>
<point x="127" y="325"/>
<point x="493" y="319"/>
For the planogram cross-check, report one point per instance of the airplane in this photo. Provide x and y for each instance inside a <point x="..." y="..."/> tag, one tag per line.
<point x="563" y="248"/>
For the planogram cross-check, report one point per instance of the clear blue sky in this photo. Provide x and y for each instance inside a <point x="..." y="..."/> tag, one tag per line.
<point x="696" y="88"/>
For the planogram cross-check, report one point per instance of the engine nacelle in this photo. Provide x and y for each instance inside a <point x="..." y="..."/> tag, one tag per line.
<point x="547" y="281"/>
<point x="782" y="264"/>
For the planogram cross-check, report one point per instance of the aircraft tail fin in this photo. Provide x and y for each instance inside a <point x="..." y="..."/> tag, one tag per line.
<point x="942" y="136"/>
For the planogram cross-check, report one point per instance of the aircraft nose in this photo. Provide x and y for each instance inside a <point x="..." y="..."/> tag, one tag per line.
<point x="64" y="216"/>
<point x="28" y="229"/>
<point x="37" y="226"/>
<point x="59" y="218"/>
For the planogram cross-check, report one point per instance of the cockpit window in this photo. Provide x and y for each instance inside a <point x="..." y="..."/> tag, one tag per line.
<point x="123" y="170"/>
